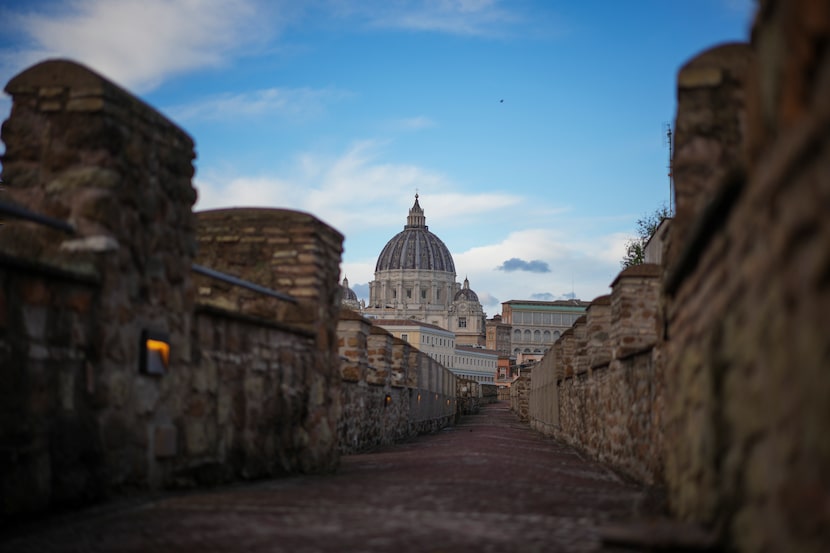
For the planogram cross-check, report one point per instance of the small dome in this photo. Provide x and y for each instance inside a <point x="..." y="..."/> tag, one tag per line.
<point x="349" y="297"/>
<point x="465" y="294"/>
<point x="415" y="247"/>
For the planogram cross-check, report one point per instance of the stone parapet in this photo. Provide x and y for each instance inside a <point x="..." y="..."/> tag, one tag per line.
<point x="240" y="387"/>
<point x="391" y="391"/>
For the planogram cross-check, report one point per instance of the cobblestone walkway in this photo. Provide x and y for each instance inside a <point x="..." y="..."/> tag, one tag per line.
<point x="487" y="484"/>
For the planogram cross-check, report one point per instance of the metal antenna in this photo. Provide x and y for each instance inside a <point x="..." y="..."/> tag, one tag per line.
<point x="669" y="167"/>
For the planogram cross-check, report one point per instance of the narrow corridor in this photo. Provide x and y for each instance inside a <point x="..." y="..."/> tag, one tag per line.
<point x="488" y="484"/>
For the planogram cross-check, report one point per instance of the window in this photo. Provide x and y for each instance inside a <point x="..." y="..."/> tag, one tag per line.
<point x="537" y="336"/>
<point x="517" y="335"/>
<point x="405" y="337"/>
<point x="462" y="322"/>
<point x="409" y="292"/>
<point x="423" y="294"/>
<point x="394" y="293"/>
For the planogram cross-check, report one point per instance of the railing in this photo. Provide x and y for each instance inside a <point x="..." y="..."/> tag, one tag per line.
<point x="230" y="279"/>
<point x="22" y="213"/>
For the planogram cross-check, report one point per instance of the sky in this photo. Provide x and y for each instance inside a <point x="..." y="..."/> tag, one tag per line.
<point x="533" y="131"/>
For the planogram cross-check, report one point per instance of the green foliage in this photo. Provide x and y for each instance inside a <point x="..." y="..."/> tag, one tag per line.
<point x="635" y="248"/>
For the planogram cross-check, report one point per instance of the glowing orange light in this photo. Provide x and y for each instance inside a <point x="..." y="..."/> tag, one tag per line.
<point x="161" y="348"/>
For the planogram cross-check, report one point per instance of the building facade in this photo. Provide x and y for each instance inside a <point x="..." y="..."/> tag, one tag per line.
<point x="471" y="362"/>
<point x="536" y="325"/>
<point x="415" y="279"/>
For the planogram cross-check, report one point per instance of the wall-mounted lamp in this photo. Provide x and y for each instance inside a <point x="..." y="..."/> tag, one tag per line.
<point x="154" y="352"/>
<point x="419" y="398"/>
<point x="387" y="401"/>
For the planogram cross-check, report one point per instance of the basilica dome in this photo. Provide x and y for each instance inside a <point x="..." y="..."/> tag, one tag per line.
<point x="466" y="293"/>
<point x="415" y="248"/>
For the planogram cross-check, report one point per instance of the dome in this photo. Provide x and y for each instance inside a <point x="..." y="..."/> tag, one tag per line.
<point x="415" y="247"/>
<point x="466" y="294"/>
<point x="348" y="296"/>
<point x="348" y="293"/>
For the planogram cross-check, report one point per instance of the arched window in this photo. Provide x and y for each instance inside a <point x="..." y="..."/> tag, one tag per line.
<point x="556" y="334"/>
<point x="527" y="336"/>
<point x="546" y="337"/>
<point x="537" y="336"/>
<point x="517" y="335"/>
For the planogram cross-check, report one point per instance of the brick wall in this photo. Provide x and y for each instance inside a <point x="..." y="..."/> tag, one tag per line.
<point x="251" y="389"/>
<point x="748" y="299"/>
<point x="718" y="388"/>
<point x="599" y="387"/>
<point x="390" y="390"/>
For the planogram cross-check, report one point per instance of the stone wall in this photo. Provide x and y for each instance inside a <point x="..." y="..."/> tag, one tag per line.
<point x="718" y="388"/>
<point x="598" y="387"/>
<point x="251" y="387"/>
<point x="748" y="290"/>
<point x="390" y="390"/>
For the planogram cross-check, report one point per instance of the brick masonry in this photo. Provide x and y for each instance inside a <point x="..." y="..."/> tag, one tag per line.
<point x="255" y="386"/>
<point x="252" y="386"/>
<point x="708" y="376"/>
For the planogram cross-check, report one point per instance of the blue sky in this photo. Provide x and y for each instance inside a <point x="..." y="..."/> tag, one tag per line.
<point x="533" y="130"/>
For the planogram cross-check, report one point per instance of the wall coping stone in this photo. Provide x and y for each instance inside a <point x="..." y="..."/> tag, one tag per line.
<point x="628" y="353"/>
<point x="207" y="309"/>
<point x="708" y="225"/>
<point x="602" y="300"/>
<point x="643" y="270"/>
<point x="81" y="81"/>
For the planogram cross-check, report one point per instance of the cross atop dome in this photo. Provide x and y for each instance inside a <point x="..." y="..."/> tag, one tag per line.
<point x="416" y="218"/>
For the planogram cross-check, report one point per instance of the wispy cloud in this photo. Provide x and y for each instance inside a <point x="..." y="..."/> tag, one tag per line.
<point x="460" y="17"/>
<point x="335" y="189"/>
<point x="294" y="103"/>
<point x="139" y="43"/>
<point x="413" y="123"/>
<point x="516" y="264"/>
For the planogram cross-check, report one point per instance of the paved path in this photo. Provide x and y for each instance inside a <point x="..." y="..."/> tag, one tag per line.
<point x="487" y="484"/>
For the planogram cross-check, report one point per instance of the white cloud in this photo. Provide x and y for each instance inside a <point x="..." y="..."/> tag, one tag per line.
<point x="138" y="43"/>
<point x="580" y="264"/>
<point x="296" y="103"/>
<point x="461" y="17"/>
<point x="413" y="123"/>
<point x="351" y="192"/>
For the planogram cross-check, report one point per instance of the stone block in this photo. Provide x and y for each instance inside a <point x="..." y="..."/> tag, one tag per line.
<point x="165" y="441"/>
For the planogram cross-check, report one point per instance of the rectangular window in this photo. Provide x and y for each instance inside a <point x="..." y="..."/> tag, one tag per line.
<point x="462" y="322"/>
<point x="405" y="337"/>
<point x="423" y="294"/>
<point x="409" y="292"/>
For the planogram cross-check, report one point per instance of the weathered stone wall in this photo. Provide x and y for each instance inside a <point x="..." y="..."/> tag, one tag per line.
<point x="49" y="449"/>
<point x="251" y="388"/>
<point x="748" y="294"/>
<point x="719" y="389"/>
<point x="598" y="387"/>
<point x="390" y="390"/>
<point x="520" y="396"/>
<point x="293" y="253"/>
